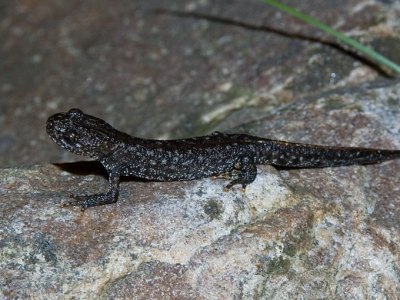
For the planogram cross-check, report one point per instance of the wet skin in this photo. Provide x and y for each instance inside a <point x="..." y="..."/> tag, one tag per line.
<point x="231" y="155"/>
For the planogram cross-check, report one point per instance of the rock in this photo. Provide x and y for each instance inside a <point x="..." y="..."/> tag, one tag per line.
<point x="319" y="233"/>
<point x="316" y="233"/>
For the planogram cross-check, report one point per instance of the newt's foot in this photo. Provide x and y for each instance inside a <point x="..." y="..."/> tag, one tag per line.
<point x="86" y="201"/>
<point x="226" y="175"/>
<point x="234" y="182"/>
<point x="83" y="201"/>
<point x="244" y="173"/>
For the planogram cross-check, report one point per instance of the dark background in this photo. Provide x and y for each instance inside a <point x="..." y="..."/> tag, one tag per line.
<point x="161" y="75"/>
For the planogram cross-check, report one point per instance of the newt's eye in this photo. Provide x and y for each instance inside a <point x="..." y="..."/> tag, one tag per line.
<point x="74" y="112"/>
<point x="70" y="138"/>
<point x="67" y="140"/>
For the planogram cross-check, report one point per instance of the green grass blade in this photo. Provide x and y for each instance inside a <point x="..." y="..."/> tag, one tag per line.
<point x="373" y="55"/>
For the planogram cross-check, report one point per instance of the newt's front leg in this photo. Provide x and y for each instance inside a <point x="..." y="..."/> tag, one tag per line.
<point x="111" y="196"/>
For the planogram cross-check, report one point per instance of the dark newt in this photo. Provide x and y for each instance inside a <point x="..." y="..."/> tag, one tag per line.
<point x="218" y="154"/>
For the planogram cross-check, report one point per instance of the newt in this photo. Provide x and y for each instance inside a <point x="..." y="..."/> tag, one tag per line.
<point x="235" y="156"/>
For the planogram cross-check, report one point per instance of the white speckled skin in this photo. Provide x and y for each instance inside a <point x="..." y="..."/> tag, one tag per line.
<point x="234" y="155"/>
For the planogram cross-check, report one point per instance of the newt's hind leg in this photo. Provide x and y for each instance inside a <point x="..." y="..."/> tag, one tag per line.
<point x="244" y="173"/>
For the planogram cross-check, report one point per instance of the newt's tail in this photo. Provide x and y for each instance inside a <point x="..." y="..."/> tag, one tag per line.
<point x="297" y="155"/>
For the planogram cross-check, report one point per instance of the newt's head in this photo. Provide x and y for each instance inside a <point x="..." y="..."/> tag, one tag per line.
<point x="83" y="134"/>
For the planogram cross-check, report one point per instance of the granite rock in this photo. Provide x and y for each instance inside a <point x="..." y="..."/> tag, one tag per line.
<point x="316" y="233"/>
<point x="319" y="233"/>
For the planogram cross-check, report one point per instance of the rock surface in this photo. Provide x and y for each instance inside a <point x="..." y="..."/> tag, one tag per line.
<point x="325" y="233"/>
